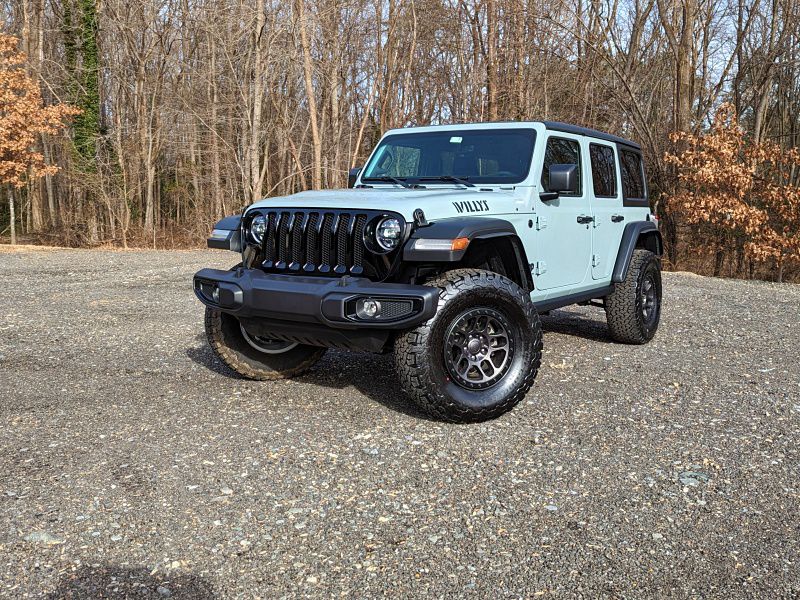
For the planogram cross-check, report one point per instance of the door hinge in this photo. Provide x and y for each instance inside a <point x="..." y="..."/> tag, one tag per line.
<point x="541" y="222"/>
<point x="595" y="260"/>
<point x="539" y="267"/>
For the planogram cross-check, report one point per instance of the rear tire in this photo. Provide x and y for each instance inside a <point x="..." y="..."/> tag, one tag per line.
<point x="633" y="310"/>
<point x="480" y="353"/>
<point x="254" y="357"/>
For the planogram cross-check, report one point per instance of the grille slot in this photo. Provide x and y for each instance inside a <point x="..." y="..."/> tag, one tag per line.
<point x="320" y="242"/>
<point x="342" y="235"/>
<point x="283" y="234"/>
<point x="297" y="241"/>
<point x="327" y="236"/>
<point x="358" y="249"/>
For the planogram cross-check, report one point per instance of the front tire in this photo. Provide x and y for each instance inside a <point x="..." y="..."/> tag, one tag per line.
<point x="480" y="353"/>
<point x="254" y="357"/>
<point x="633" y="309"/>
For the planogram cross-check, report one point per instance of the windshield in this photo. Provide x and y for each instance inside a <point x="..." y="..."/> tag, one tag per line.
<point x="488" y="156"/>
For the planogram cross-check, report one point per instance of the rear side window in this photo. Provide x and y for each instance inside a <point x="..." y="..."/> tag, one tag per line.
<point x="561" y="151"/>
<point x="604" y="171"/>
<point x="632" y="175"/>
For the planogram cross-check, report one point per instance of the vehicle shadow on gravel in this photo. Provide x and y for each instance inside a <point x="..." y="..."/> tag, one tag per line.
<point x="577" y="325"/>
<point x="371" y="374"/>
<point x="114" y="581"/>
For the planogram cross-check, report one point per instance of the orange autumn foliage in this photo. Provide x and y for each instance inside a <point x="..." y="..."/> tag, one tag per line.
<point x="23" y="117"/>
<point x="738" y="192"/>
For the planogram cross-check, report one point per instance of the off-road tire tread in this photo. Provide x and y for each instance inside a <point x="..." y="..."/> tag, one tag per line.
<point x="621" y="308"/>
<point x="213" y="326"/>
<point x="412" y="360"/>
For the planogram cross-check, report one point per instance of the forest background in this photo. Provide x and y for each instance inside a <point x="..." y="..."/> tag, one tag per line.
<point x="178" y="112"/>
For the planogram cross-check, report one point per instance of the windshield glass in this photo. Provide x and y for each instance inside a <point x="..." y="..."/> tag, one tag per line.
<point x="488" y="156"/>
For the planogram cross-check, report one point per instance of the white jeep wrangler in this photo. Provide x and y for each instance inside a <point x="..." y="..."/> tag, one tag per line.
<point x="450" y="242"/>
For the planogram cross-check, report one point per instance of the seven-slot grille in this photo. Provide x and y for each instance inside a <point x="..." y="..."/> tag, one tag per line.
<point x="315" y="241"/>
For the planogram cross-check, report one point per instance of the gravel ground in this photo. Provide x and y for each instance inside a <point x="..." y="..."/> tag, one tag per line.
<point x="132" y="464"/>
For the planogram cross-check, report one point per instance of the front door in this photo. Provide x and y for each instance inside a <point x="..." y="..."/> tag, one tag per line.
<point x="563" y="226"/>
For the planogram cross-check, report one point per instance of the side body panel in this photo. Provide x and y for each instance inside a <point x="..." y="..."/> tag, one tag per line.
<point x="585" y="256"/>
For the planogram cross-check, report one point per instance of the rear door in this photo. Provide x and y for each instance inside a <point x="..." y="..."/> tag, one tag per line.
<point x="564" y="239"/>
<point x="606" y="201"/>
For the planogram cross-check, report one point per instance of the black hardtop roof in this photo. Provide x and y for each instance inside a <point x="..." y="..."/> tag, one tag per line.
<point x="551" y="125"/>
<point x="575" y="129"/>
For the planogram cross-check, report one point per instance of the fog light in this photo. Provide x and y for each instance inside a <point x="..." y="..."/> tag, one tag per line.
<point x="367" y="308"/>
<point x="215" y="295"/>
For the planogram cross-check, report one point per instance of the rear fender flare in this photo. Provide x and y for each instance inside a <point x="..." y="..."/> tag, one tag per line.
<point x="639" y="234"/>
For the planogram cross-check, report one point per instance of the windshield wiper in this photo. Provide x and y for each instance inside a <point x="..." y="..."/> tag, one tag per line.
<point x="389" y="179"/>
<point x="453" y="178"/>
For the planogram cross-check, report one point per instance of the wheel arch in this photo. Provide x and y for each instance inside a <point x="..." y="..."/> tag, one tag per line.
<point x="489" y="239"/>
<point x="639" y="234"/>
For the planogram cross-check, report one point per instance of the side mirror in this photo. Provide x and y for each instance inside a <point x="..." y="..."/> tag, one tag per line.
<point x="563" y="180"/>
<point x="352" y="175"/>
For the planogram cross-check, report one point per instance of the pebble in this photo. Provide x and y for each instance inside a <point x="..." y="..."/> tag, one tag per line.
<point x="692" y="478"/>
<point x="44" y="537"/>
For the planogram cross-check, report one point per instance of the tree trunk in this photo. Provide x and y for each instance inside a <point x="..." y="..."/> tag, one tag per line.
<point x="719" y="261"/>
<point x="491" y="60"/>
<point x="48" y="184"/>
<point x="216" y="183"/>
<point x="257" y="90"/>
<point x="12" y="216"/>
<point x="685" y="68"/>
<point x="308" y="77"/>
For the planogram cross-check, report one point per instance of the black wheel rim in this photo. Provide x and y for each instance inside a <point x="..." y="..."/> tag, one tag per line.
<point x="648" y="299"/>
<point x="478" y="348"/>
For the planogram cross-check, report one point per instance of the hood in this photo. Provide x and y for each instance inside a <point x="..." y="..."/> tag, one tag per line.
<point x="436" y="203"/>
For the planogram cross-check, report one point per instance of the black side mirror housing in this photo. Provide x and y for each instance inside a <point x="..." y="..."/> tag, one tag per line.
<point x="563" y="180"/>
<point x="352" y="175"/>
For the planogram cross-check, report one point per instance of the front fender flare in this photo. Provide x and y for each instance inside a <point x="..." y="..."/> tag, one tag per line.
<point x="226" y="234"/>
<point x="473" y="228"/>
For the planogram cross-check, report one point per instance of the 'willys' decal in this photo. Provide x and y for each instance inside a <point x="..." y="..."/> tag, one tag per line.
<point x="472" y="206"/>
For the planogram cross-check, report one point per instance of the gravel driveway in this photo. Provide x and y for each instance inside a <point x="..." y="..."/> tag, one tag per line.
<point x="132" y="464"/>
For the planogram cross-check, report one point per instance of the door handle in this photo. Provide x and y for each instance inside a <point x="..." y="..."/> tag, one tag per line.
<point x="617" y="218"/>
<point x="583" y="219"/>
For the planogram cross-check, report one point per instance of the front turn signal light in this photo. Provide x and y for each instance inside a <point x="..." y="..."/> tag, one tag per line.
<point x="459" y="244"/>
<point x="445" y="245"/>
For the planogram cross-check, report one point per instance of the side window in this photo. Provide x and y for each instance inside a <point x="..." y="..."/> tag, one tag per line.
<point x="604" y="171"/>
<point x="632" y="175"/>
<point x="561" y="151"/>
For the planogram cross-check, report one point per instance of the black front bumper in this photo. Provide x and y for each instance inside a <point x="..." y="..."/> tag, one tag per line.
<point x="315" y="310"/>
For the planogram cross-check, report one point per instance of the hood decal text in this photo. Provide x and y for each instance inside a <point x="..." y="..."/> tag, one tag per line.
<point x="472" y="206"/>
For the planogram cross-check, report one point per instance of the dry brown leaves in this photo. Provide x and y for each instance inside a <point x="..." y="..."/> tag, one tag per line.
<point x="736" y="189"/>
<point x="23" y="117"/>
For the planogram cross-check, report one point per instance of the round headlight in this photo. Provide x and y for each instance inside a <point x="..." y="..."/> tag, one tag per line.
<point x="388" y="233"/>
<point x="258" y="228"/>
